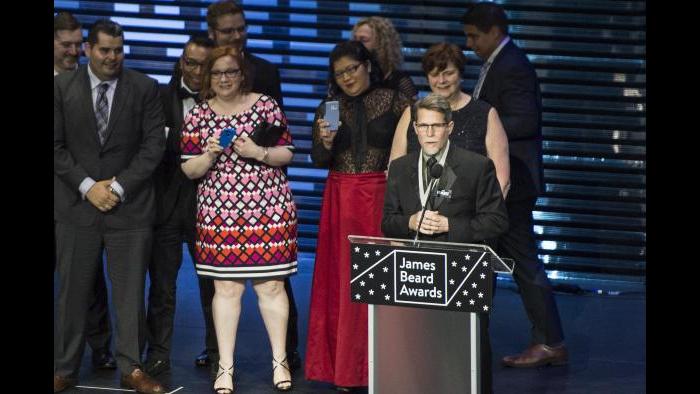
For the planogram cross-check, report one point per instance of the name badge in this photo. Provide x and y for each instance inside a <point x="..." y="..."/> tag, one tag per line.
<point x="444" y="194"/>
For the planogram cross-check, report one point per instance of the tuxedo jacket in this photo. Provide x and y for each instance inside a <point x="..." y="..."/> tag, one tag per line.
<point x="132" y="149"/>
<point x="174" y="191"/>
<point x="266" y="77"/>
<point x="475" y="208"/>
<point x="511" y="87"/>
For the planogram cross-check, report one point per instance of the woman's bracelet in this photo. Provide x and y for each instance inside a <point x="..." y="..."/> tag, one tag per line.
<point x="265" y="153"/>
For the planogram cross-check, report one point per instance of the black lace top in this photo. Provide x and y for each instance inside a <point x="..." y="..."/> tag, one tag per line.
<point x="364" y="138"/>
<point x="402" y="82"/>
<point x="469" y="131"/>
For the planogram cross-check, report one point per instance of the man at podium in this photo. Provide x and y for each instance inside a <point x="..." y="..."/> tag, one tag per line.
<point x="444" y="193"/>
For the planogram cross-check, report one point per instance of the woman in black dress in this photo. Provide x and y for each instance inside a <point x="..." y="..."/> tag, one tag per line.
<point x="477" y="126"/>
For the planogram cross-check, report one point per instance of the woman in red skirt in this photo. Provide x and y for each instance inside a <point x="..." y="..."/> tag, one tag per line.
<point x="357" y="154"/>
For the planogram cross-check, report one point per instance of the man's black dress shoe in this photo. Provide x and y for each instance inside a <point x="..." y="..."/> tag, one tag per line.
<point x="103" y="360"/>
<point x="157" y="367"/>
<point x="203" y="359"/>
<point x="294" y="360"/>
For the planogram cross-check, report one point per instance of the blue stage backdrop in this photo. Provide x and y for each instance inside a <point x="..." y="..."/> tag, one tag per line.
<point x="590" y="58"/>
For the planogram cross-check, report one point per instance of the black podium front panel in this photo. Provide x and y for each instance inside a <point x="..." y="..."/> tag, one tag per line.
<point x="425" y="277"/>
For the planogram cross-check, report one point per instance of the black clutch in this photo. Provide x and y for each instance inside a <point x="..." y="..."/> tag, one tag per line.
<point x="267" y="135"/>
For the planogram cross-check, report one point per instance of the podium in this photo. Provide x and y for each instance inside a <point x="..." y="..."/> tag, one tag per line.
<point x="424" y="304"/>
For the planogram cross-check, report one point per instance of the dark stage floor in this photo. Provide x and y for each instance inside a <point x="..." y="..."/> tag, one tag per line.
<point x="605" y="335"/>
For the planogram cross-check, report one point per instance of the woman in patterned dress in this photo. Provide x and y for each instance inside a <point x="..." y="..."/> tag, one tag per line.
<point x="246" y="218"/>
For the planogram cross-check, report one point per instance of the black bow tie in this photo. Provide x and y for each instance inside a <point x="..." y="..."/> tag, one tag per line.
<point x="183" y="93"/>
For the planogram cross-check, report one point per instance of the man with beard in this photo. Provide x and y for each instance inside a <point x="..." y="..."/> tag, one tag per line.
<point x="176" y="204"/>
<point x="67" y="39"/>
<point x="227" y="26"/>
<point x="108" y="140"/>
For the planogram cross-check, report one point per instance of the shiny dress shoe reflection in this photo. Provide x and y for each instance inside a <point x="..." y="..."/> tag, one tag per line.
<point x="538" y="356"/>
<point x="142" y="383"/>
<point x="103" y="360"/>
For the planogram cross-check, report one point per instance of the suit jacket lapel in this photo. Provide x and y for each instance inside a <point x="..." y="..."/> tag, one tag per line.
<point x="120" y="97"/>
<point x="86" y="98"/>
<point x="413" y="181"/>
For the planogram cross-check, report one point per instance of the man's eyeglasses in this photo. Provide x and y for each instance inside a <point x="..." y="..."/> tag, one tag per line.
<point x="349" y="70"/>
<point x="423" y="128"/>
<point x="232" y="73"/>
<point x="231" y="30"/>
<point x="191" y="64"/>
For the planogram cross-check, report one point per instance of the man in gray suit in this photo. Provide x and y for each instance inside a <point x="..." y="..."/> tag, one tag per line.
<point x="67" y="39"/>
<point x="108" y="139"/>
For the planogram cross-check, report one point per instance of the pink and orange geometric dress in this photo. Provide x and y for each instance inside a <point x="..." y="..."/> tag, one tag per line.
<point x="246" y="217"/>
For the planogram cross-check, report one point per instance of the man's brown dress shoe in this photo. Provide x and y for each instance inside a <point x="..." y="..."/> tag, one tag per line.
<point x="537" y="356"/>
<point x="142" y="383"/>
<point x="60" y="383"/>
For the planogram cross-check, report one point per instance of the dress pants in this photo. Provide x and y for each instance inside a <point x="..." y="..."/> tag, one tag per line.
<point x="78" y="250"/>
<point x="99" y="324"/>
<point x="535" y="290"/>
<point x="163" y="269"/>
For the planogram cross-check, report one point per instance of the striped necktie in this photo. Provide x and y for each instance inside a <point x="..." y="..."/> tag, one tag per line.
<point x="102" y="111"/>
<point x="482" y="76"/>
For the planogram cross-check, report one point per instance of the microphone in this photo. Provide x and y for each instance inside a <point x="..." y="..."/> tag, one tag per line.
<point x="434" y="173"/>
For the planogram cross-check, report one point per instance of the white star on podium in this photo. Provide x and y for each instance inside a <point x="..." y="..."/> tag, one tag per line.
<point x="485" y="263"/>
<point x="357" y="296"/>
<point x="366" y="255"/>
<point x="383" y="286"/>
<point x="464" y="269"/>
<point x="458" y="303"/>
<point x="357" y="249"/>
<point x="481" y="295"/>
<point x="385" y="269"/>
<point x="471" y="302"/>
<point x="482" y="276"/>
<point x="371" y="276"/>
<point x="452" y="281"/>
<point x="355" y="266"/>
<point x="486" y="308"/>
<point x="466" y="256"/>
<point x="376" y="252"/>
<point x="466" y="293"/>
<point x="454" y="263"/>
<point x="371" y="292"/>
<point x="362" y="283"/>
<point x="474" y="285"/>
<point x="386" y="297"/>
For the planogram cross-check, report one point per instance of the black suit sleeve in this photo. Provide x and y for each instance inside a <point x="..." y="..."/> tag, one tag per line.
<point x="150" y="152"/>
<point x="490" y="219"/>
<point x="64" y="165"/>
<point x="394" y="220"/>
<point x="276" y="86"/>
<point x="519" y="103"/>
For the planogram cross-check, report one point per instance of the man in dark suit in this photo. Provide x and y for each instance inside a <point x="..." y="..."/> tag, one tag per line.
<point x="508" y="82"/>
<point x="67" y="39"/>
<point x="108" y="139"/>
<point x="227" y="26"/>
<point x="176" y="204"/>
<point x="474" y="212"/>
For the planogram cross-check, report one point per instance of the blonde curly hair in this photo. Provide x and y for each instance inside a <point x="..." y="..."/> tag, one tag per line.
<point x="388" y="50"/>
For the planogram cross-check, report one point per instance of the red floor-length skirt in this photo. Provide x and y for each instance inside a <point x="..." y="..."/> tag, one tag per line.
<point x="336" y="349"/>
